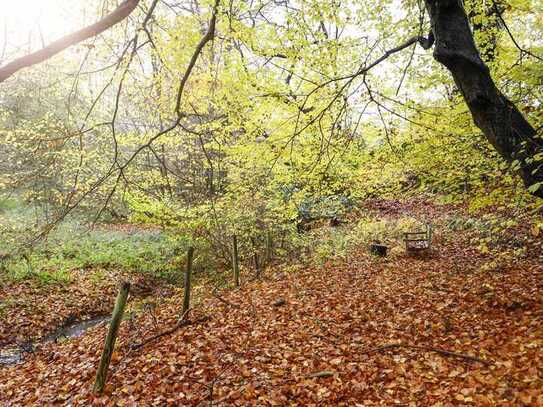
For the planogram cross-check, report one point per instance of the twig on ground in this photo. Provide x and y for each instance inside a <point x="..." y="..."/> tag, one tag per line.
<point x="211" y="386"/>
<point x="182" y="323"/>
<point x="325" y="373"/>
<point x="430" y="349"/>
<point x="221" y="299"/>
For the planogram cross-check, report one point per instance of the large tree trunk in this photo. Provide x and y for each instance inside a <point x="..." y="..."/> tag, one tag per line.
<point x="501" y="122"/>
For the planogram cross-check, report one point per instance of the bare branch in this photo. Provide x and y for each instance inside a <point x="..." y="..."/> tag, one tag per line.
<point x="116" y="16"/>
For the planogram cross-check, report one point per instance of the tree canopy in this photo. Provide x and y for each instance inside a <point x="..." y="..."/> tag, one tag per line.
<point x="186" y="106"/>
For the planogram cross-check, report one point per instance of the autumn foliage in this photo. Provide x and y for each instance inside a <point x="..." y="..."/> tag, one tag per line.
<point x="443" y="330"/>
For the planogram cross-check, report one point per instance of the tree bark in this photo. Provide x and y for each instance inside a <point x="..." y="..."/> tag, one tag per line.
<point x="499" y="119"/>
<point x="116" y="16"/>
<point x="235" y="260"/>
<point x="187" y="283"/>
<point x="109" y="345"/>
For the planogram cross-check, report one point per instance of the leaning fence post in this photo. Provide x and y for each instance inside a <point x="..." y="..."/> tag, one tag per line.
<point x="116" y="318"/>
<point x="188" y="272"/>
<point x="235" y="260"/>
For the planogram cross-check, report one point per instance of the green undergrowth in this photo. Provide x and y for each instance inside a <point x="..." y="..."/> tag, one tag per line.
<point x="498" y="238"/>
<point x="70" y="249"/>
<point x="158" y="254"/>
<point x="329" y="243"/>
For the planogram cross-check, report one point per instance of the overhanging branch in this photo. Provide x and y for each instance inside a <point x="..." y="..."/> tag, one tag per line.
<point x="115" y="17"/>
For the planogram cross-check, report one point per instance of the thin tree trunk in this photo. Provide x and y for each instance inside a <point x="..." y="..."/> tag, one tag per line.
<point x="499" y="119"/>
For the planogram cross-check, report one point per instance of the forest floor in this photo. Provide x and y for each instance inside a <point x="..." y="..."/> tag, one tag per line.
<point x="442" y="330"/>
<point x="30" y="310"/>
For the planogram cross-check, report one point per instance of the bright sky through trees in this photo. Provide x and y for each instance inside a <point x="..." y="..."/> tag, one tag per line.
<point x="26" y="24"/>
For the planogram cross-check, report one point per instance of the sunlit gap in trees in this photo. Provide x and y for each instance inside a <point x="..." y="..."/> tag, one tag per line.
<point x="28" y="25"/>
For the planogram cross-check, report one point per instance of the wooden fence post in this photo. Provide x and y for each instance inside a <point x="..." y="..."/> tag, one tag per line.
<point x="257" y="263"/>
<point x="187" y="282"/>
<point x="109" y="345"/>
<point x="269" y="247"/>
<point x="235" y="260"/>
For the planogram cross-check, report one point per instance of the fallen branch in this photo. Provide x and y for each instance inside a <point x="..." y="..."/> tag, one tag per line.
<point x="325" y="373"/>
<point x="182" y="323"/>
<point x="221" y="299"/>
<point x="430" y="349"/>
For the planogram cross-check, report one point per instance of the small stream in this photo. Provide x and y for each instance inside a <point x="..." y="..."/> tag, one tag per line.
<point x="15" y="354"/>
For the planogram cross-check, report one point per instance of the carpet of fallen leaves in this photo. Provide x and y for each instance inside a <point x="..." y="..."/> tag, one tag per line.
<point x="435" y="331"/>
<point x="31" y="310"/>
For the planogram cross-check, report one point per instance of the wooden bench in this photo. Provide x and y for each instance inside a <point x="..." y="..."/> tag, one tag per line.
<point x="418" y="242"/>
